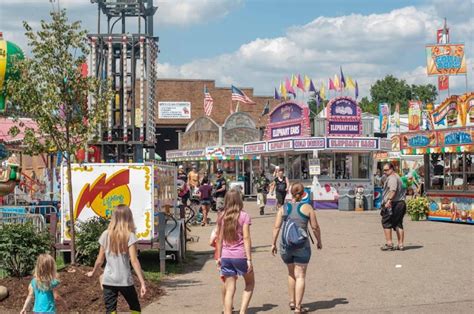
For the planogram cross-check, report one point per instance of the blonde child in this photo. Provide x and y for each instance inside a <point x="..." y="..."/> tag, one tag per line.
<point x="42" y="287"/>
<point x="118" y="247"/>
<point x="234" y="250"/>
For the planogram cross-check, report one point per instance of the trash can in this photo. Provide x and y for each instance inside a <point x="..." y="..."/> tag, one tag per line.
<point x="346" y="200"/>
<point x="369" y="201"/>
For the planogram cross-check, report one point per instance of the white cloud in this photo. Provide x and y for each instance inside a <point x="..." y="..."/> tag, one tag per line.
<point x="368" y="47"/>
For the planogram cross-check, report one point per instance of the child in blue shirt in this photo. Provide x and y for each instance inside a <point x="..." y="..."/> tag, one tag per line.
<point x="42" y="287"/>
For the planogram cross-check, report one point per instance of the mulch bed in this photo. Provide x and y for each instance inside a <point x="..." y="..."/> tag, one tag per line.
<point x="81" y="293"/>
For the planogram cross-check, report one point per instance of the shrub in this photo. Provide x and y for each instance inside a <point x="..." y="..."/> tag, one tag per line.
<point x="87" y="237"/>
<point x="417" y="206"/>
<point x="20" y="245"/>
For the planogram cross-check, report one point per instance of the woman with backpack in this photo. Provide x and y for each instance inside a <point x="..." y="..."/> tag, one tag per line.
<point x="280" y="186"/>
<point x="295" y="248"/>
<point x="234" y="250"/>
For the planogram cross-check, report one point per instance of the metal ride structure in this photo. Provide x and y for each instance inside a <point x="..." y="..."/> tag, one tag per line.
<point x="129" y="61"/>
<point x="125" y="52"/>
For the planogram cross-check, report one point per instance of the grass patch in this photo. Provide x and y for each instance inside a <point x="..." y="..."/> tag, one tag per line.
<point x="3" y="274"/>
<point x="150" y="262"/>
<point x="60" y="262"/>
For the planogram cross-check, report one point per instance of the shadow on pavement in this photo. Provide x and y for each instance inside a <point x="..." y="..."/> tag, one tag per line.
<point x="180" y="283"/>
<point x="264" y="308"/>
<point x="413" y="247"/>
<point x="324" y="305"/>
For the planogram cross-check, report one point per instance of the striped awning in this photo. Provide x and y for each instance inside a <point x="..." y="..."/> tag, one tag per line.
<point x="437" y="150"/>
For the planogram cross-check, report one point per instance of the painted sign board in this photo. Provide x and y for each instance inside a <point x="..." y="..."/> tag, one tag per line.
<point x="174" y="110"/>
<point x="314" y="166"/>
<point x="288" y="119"/>
<point x="309" y="143"/>
<point x="280" y="145"/>
<point x="352" y="143"/>
<point x="98" y="188"/>
<point x="446" y="59"/>
<point x="344" y="117"/>
<point x="255" y="148"/>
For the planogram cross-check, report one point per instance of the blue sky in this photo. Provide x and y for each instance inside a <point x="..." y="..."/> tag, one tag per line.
<point x="258" y="43"/>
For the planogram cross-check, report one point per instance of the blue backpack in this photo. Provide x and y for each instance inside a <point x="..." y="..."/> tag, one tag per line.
<point x="293" y="236"/>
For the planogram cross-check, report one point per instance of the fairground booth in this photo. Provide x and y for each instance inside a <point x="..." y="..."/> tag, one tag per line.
<point x="333" y="161"/>
<point x="448" y="150"/>
<point x="210" y="146"/>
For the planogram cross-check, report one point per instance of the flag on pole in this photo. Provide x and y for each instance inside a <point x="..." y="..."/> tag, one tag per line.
<point x="276" y="96"/>
<point x="331" y="85"/>
<point x="283" y="91"/>
<point x="208" y="102"/>
<point x="311" y="86"/>
<point x="343" y="80"/>
<point x="266" y="109"/>
<point x="300" y="83"/>
<point x="337" y="85"/>
<point x="293" y="80"/>
<point x="231" y="108"/>
<point x="239" y="95"/>
<point x="307" y="82"/>
<point x="289" y="88"/>
<point x="357" y="90"/>
<point x="350" y="83"/>
<point x="322" y="92"/>
<point x="396" y="115"/>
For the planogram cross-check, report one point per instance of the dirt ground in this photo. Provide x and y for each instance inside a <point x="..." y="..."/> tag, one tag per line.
<point x="82" y="294"/>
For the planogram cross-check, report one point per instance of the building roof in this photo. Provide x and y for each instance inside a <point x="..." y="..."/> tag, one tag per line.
<point x="7" y="123"/>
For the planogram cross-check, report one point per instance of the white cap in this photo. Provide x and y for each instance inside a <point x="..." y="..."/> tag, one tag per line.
<point x="277" y="167"/>
<point x="180" y="167"/>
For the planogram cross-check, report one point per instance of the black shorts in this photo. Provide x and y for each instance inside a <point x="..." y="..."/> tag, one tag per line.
<point x="111" y="295"/>
<point x="392" y="218"/>
<point x="206" y="201"/>
<point x="280" y="198"/>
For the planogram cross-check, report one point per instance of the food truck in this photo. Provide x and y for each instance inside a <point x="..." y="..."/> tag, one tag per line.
<point x="147" y="188"/>
<point x="448" y="150"/>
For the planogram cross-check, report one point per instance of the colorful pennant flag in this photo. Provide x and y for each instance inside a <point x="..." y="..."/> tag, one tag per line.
<point x="208" y="102"/>
<point x="337" y="84"/>
<point x="289" y="88"/>
<point x="331" y="85"/>
<point x="240" y="96"/>
<point x="276" y="96"/>
<point x="293" y="80"/>
<point x="311" y="87"/>
<point x="307" y="82"/>
<point x="322" y="92"/>
<point x="350" y="83"/>
<point x="300" y="83"/>
<point x="343" y="80"/>
<point x="356" y="90"/>
<point x="283" y="91"/>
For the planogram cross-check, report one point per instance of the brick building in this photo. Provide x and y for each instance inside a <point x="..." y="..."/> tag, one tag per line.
<point x="187" y="93"/>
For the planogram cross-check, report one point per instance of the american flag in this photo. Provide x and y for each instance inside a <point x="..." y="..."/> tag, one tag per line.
<point x="208" y="102"/>
<point x="239" y="95"/>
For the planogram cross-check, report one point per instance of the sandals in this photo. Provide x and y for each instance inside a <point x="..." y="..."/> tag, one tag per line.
<point x="400" y="248"/>
<point x="291" y="305"/>
<point x="301" y="309"/>
<point x="387" y="247"/>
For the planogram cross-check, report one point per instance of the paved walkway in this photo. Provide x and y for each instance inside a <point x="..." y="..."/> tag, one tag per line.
<point x="350" y="274"/>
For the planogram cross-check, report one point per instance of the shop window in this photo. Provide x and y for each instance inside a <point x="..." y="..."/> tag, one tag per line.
<point x="343" y="166"/>
<point x="470" y="172"/>
<point x="363" y="167"/>
<point x="326" y="162"/>
<point x="436" y="168"/>
<point x="294" y="167"/>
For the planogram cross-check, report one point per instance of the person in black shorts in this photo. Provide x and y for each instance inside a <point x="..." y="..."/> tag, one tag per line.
<point x="220" y="189"/>
<point x="205" y="195"/>
<point x="393" y="208"/>
<point x="280" y="186"/>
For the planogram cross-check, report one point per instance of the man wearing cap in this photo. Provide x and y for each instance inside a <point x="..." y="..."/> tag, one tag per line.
<point x="221" y="188"/>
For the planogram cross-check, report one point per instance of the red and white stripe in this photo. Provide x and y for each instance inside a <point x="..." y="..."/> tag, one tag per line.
<point x="245" y="99"/>
<point x="208" y="103"/>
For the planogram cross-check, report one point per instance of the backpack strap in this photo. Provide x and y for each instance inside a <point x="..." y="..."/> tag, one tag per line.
<point x="289" y="208"/>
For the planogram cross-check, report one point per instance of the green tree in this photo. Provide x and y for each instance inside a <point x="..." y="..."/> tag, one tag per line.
<point x="424" y="93"/>
<point x="368" y="106"/>
<point x="391" y="90"/>
<point x="314" y="108"/>
<point x="50" y="89"/>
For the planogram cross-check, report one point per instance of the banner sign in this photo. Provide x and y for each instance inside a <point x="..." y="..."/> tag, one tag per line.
<point x="280" y="145"/>
<point x="314" y="167"/>
<point x="458" y="137"/>
<point x="414" y="115"/>
<point x="289" y="119"/>
<point x="214" y="152"/>
<point x="309" y="143"/>
<point x="384" y="115"/>
<point x="352" y="144"/>
<point x="445" y="59"/>
<point x="174" y="110"/>
<point x="255" y="148"/>
<point x="174" y="154"/>
<point x="234" y="151"/>
<point x="448" y="114"/>
<point x="419" y="139"/>
<point x="344" y="117"/>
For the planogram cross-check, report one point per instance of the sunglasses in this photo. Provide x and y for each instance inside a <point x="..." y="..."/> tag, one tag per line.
<point x="386" y="170"/>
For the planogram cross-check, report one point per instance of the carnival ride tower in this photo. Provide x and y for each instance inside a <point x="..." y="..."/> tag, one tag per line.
<point x="127" y="56"/>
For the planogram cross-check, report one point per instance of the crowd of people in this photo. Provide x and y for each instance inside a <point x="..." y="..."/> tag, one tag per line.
<point x="231" y="239"/>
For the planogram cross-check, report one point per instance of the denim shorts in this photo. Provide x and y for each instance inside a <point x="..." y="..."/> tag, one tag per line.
<point x="206" y="201"/>
<point x="231" y="267"/>
<point x="298" y="256"/>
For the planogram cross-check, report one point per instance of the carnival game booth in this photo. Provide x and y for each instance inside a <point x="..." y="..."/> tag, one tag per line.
<point x="210" y="146"/>
<point x="344" y="154"/>
<point x="448" y="152"/>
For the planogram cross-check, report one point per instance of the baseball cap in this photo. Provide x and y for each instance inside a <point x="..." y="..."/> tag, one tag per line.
<point x="220" y="171"/>
<point x="180" y="167"/>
